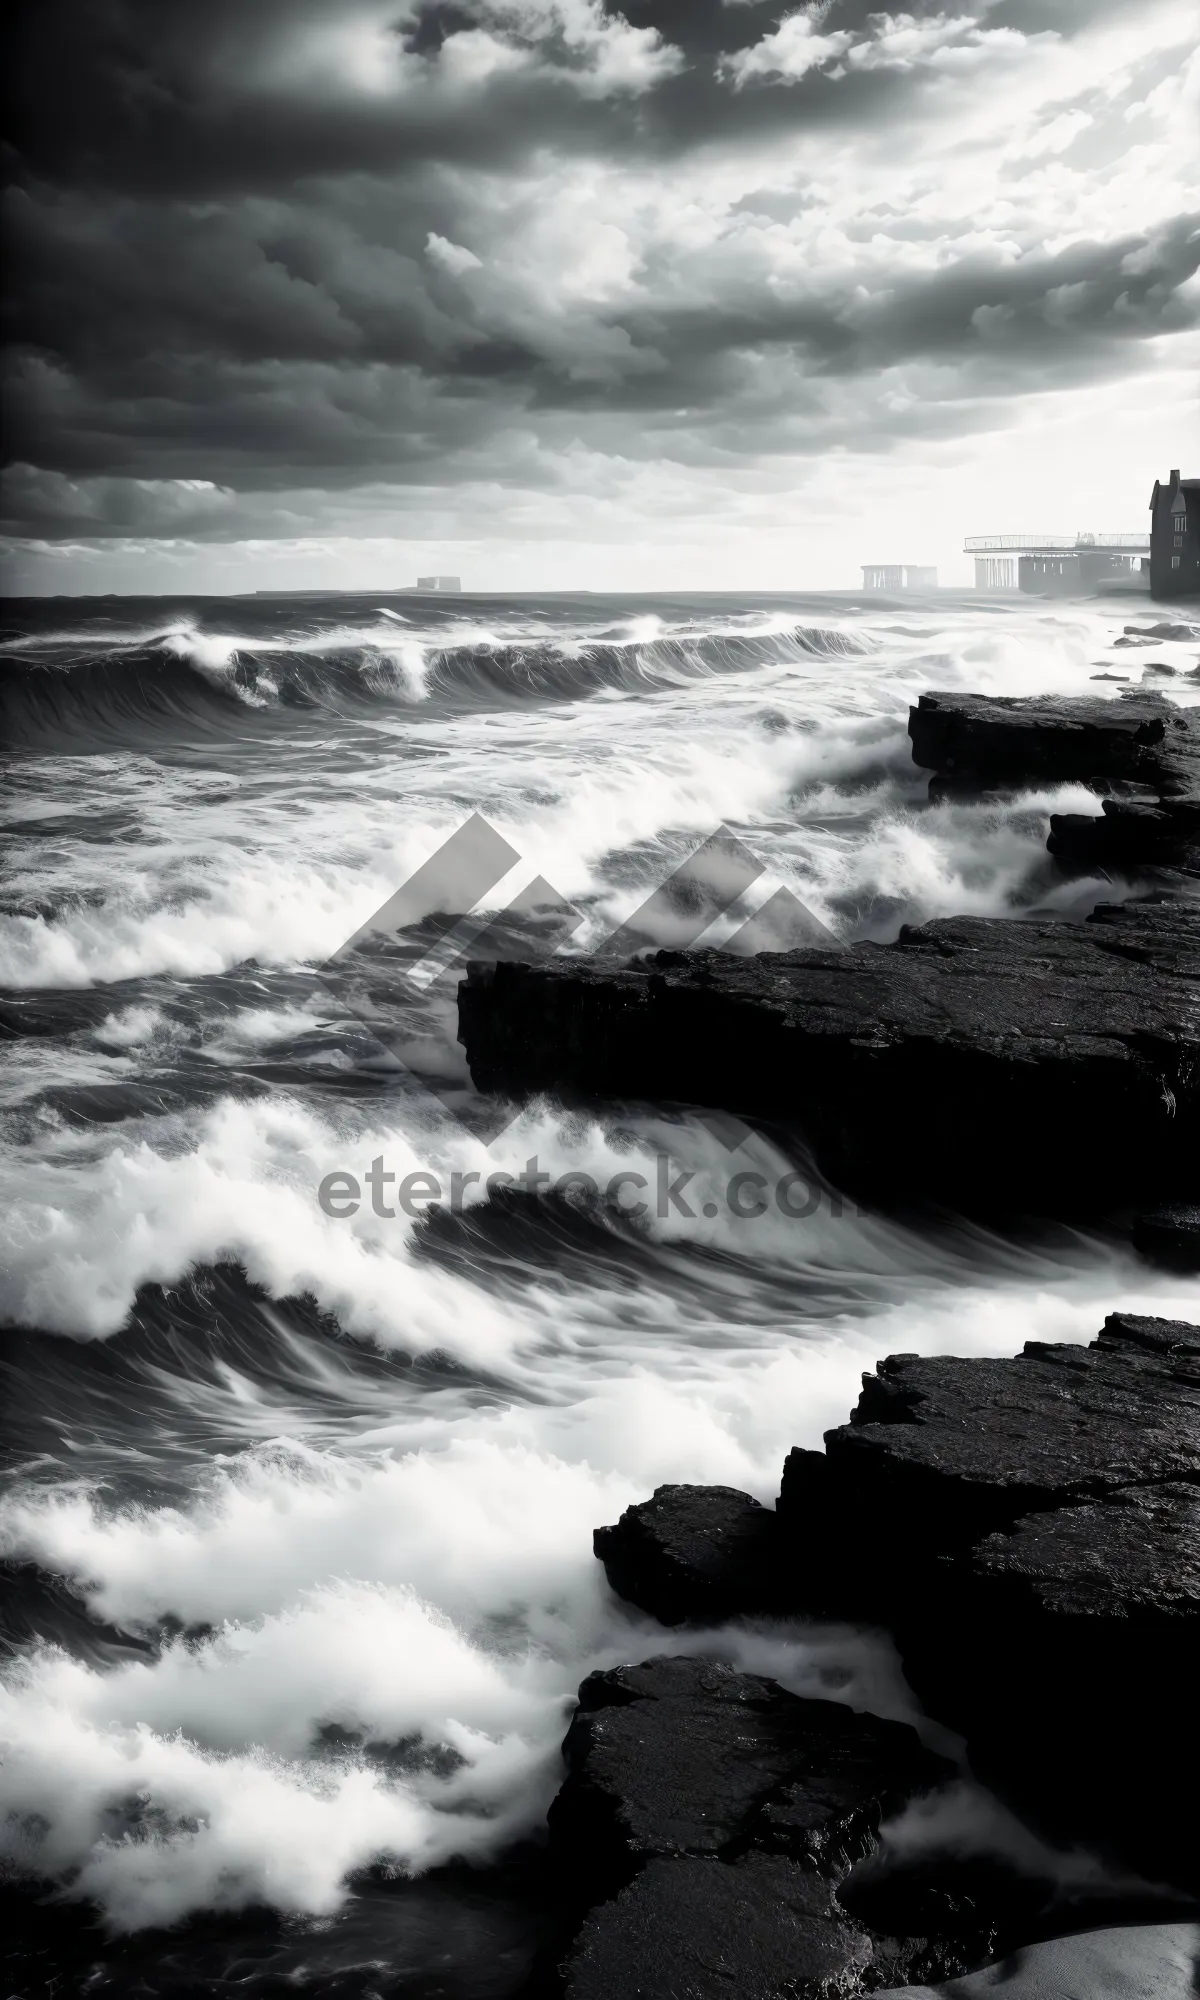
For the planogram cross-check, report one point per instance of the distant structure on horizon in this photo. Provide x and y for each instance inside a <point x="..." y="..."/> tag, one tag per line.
<point x="1055" y="565"/>
<point x="1175" y="537"/>
<point x="438" y="583"/>
<point x="898" y="576"/>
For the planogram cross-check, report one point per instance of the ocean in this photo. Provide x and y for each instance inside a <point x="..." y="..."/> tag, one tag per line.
<point x="300" y="1502"/>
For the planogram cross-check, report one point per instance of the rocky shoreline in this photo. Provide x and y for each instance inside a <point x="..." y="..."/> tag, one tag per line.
<point x="988" y="1064"/>
<point x="1141" y="754"/>
<point x="1027" y="1531"/>
<point x="992" y="1065"/>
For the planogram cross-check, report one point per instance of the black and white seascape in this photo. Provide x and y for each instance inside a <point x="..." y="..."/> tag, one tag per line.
<point x="304" y="1502"/>
<point x="492" y="463"/>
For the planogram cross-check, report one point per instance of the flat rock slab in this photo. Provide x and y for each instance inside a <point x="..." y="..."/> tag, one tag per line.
<point x="688" y="1757"/>
<point x="1140" y="737"/>
<point x="1135" y="1556"/>
<point x="945" y="1450"/>
<point x="698" y="1930"/>
<point x="939" y="1453"/>
<point x="985" y="1063"/>
<point x="1177" y="1338"/>
<point x="1141" y="745"/>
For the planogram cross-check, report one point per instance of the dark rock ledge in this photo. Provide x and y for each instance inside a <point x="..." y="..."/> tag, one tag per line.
<point x="1029" y="1531"/>
<point x="989" y="1064"/>
<point x="1141" y="750"/>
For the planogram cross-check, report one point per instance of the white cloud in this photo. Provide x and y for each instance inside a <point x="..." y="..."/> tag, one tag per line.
<point x="796" y="47"/>
<point x="453" y="257"/>
<point x="361" y="53"/>
<point x="620" y="59"/>
<point x="938" y="42"/>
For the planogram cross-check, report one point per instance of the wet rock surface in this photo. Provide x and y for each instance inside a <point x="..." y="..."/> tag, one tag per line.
<point x="1142" y="749"/>
<point x="691" y="1929"/>
<point x="1029" y="1531"/>
<point x="716" y="1814"/>
<point x="1143" y="1962"/>
<point x="687" y="1756"/>
<point x="693" y="1554"/>
<point x="1083" y="1623"/>
<point x="955" y="1064"/>
<point x="1026" y="1529"/>
<point x="940" y="1452"/>
<point x="664" y="1556"/>
<point x="758" y="1929"/>
<point x="1170" y="1235"/>
<point x="976" y="739"/>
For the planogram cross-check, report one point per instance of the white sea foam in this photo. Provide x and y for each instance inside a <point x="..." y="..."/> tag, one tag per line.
<point x="284" y="870"/>
<point x="87" y="1220"/>
<point x="434" y="1583"/>
<point x="387" y="1572"/>
<point x="131" y="1027"/>
<point x="210" y="651"/>
<point x="158" y="1789"/>
<point x="423" y="1570"/>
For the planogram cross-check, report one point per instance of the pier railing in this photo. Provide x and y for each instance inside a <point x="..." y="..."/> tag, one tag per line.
<point x="980" y="545"/>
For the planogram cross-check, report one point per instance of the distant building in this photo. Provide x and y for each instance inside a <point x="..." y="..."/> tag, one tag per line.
<point x="1055" y="565"/>
<point x="438" y="583"/>
<point x="898" y="576"/>
<point x="1175" y="537"/>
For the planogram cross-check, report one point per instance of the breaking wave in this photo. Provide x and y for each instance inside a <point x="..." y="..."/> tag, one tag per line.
<point x="68" y="684"/>
<point x="300" y="1542"/>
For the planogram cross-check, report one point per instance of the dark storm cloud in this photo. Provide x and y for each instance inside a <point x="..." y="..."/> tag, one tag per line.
<point x="190" y="97"/>
<point x="140" y="97"/>
<point x="269" y="248"/>
<point x="1050" y="310"/>
<point x="166" y="350"/>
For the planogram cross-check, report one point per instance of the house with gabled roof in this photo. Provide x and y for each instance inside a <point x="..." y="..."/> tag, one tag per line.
<point x="1175" y="537"/>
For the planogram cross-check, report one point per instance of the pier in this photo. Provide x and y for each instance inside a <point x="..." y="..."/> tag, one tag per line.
<point x="1055" y="565"/>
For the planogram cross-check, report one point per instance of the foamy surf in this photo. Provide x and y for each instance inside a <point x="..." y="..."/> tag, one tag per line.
<point x="306" y="1500"/>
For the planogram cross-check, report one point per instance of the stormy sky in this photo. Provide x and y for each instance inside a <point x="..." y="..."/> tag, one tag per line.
<point x="697" y="293"/>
